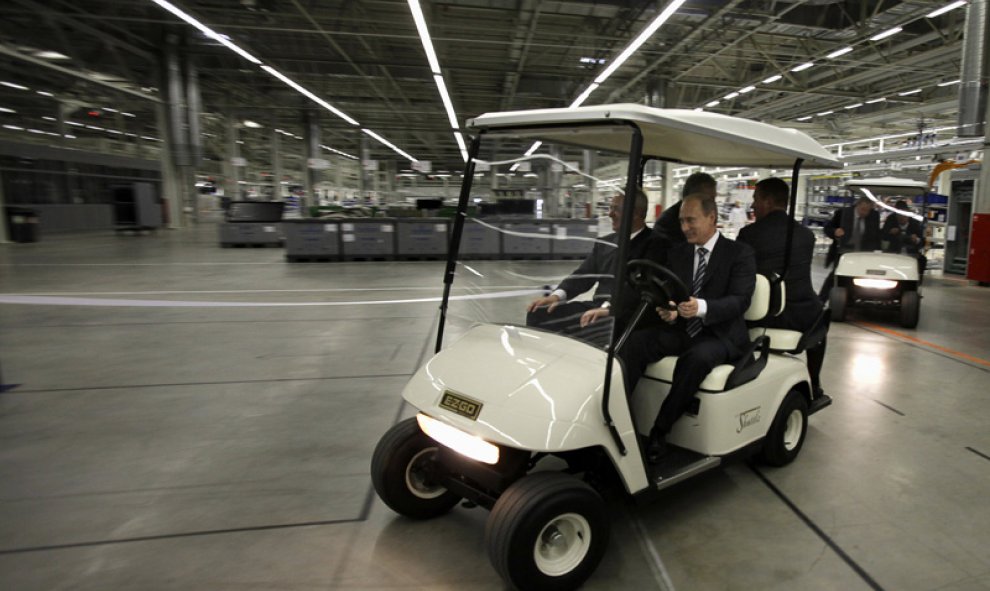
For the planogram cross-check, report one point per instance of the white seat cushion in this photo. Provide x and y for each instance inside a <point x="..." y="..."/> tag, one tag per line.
<point x="663" y="370"/>
<point x="780" y="339"/>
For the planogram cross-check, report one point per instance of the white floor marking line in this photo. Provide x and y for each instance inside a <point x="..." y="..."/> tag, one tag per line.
<point x="119" y="303"/>
<point x="663" y="579"/>
<point x="240" y="291"/>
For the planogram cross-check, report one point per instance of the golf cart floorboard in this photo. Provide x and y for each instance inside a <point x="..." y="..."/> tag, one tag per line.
<point x="679" y="464"/>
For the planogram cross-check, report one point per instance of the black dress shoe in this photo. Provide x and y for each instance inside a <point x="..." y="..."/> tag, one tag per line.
<point x="656" y="448"/>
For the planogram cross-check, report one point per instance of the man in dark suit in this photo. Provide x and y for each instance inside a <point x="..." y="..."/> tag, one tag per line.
<point x="768" y="237"/>
<point x="668" y="225"/>
<point x="706" y="330"/>
<point x="853" y="228"/>
<point x="587" y="319"/>
<point x="905" y="235"/>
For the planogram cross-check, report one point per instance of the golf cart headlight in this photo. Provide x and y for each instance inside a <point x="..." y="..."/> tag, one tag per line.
<point x="875" y="283"/>
<point x="459" y="441"/>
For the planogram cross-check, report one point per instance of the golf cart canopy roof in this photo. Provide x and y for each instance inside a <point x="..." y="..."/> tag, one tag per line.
<point x="889" y="186"/>
<point x="677" y="135"/>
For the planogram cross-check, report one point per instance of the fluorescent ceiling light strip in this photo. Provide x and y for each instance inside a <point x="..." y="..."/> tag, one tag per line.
<point x="907" y="92"/>
<point x="388" y="143"/>
<point x="442" y="87"/>
<point x="823" y="113"/>
<point x="731" y="96"/>
<point x="424" y="35"/>
<point x="853" y="106"/>
<point x="772" y="79"/>
<point x="805" y="118"/>
<point x="639" y="40"/>
<point x="6" y="110"/>
<point x="885" y="34"/>
<point x="949" y="83"/>
<point x="12" y="85"/>
<point x="839" y="52"/>
<point x="746" y="89"/>
<point x="14" y="127"/>
<point x="876" y="100"/>
<point x="310" y="95"/>
<point x="946" y="8"/>
<point x="712" y="104"/>
<point x="460" y="144"/>
<point x="43" y="93"/>
<point x="584" y="95"/>
<point x="207" y="31"/>
<point x="335" y="151"/>
<point x="802" y="67"/>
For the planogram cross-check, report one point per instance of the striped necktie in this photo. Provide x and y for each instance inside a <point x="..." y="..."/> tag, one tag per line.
<point x="694" y="325"/>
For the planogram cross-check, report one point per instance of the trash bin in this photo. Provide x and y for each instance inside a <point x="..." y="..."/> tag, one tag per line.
<point x="22" y="224"/>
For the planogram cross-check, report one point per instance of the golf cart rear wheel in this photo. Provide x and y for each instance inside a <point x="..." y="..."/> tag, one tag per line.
<point x="547" y="531"/>
<point x="910" y="309"/>
<point x="787" y="432"/>
<point x="837" y="299"/>
<point x="401" y="472"/>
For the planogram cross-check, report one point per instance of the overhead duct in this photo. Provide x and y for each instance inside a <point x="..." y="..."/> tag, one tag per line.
<point x="973" y="77"/>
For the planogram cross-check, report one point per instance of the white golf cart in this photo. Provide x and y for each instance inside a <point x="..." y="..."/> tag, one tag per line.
<point x="527" y="422"/>
<point x="880" y="279"/>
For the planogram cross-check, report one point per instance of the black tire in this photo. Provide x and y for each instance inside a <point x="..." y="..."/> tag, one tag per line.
<point x="400" y="473"/>
<point x="787" y="433"/>
<point x="547" y="531"/>
<point x="838" y="297"/>
<point x="910" y="309"/>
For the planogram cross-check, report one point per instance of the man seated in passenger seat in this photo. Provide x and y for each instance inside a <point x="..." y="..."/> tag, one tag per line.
<point x="705" y="331"/>
<point x="768" y="237"/>
<point x="592" y="321"/>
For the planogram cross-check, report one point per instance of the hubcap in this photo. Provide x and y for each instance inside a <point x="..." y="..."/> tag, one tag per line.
<point x="793" y="430"/>
<point x="417" y="479"/>
<point x="562" y="544"/>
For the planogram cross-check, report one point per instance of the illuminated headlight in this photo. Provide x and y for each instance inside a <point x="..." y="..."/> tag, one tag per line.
<point x="459" y="441"/>
<point x="875" y="283"/>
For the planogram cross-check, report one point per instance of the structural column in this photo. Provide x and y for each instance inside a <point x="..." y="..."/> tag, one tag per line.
<point x="313" y="175"/>
<point x="276" y="161"/>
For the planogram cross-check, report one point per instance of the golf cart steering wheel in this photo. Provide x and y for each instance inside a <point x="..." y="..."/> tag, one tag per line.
<point x="656" y="283"/>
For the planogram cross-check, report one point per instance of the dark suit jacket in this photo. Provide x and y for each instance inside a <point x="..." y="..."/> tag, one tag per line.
<point x="896" y="241"/>
<point x="599" y="266"/>
<point x="768" y="237"/>
<point x="668" y="225"/>
<point x="728" y="286"/>
<point x="844" y="218"/>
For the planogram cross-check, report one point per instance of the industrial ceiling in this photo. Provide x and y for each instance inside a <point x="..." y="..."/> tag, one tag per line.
<point x="366" y="59"/>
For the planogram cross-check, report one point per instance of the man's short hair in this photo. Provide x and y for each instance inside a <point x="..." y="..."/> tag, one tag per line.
<point x="699" y="182"/>
<point x="864" y="199"/>
<point x="641" y="203"/>
<point x="902" y="205"/>
<point x="708" y="205"/>
<point x="776" y="190"/>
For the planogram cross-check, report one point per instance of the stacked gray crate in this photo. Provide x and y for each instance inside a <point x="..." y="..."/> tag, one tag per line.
<point x="250" y="233"/>
<point x="252" y="223"/>
<point x="422" y="238"/>
<point x="479" y="241"/>
<point x="573" y="238"/>
<point x="312" y="240"/>
<point x="534" y="246"/>
<point x="367" y="239"/>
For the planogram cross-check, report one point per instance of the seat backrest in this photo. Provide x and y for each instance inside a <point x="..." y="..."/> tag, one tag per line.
<point x="759" y="304"/>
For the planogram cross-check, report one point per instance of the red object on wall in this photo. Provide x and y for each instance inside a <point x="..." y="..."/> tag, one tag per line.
<point x="979" y="249"/>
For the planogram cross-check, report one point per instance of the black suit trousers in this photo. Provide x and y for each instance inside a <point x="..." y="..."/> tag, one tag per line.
<point x="698" y="356"/>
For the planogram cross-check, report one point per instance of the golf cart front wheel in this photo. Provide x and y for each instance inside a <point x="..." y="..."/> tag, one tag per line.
<point x="402" y="473"/>
<point x="910" y="309"/>
<point x="787" y="432"/>
<point x="547" y="531"/>
<point x="837" y="299"/>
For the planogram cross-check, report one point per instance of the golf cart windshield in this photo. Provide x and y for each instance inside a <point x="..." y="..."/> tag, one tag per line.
<point x="887" y="191"/>
<point x="529" y="224"/>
